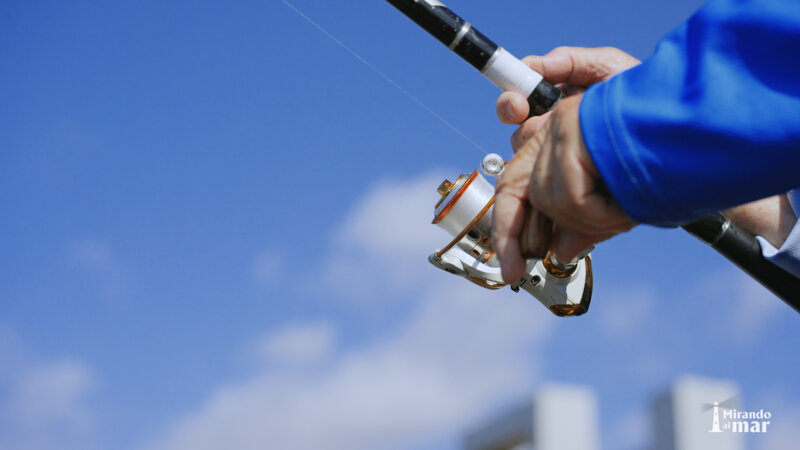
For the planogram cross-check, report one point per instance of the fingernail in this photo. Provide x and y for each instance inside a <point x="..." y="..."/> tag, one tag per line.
<point x="510" y="111"/>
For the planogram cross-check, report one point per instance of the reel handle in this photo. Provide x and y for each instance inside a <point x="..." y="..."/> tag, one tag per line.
<point x="537" y="234"/>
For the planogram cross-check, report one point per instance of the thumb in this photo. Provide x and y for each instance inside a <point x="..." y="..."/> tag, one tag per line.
<point x="568" y="243"/>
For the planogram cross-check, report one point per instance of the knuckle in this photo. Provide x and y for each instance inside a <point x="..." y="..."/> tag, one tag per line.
<point x="501" y="186"/>
<point x="523" y="135"/>
<point x="500" y="189"/>
<point x="568" y="201"/>
<point x="563" y="135"/>
<point x="557" y="131"/>
<point x="507" y="186"/>
<point x="560" y="50"/>
<point x="598" y="70"/>
<point x="539" y="140"/>
<point x="517" y="139"/>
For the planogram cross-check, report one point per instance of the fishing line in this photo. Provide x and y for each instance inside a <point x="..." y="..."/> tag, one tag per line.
<point x="388" y="80"/>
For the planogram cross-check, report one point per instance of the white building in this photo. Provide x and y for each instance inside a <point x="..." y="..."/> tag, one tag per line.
<point x="693" y="414"/>
<point x="683" y="417"/>
<point x="558" y="417"/>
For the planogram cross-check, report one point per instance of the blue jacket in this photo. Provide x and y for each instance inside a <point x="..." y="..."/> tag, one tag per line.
<point x="709" y="121"/>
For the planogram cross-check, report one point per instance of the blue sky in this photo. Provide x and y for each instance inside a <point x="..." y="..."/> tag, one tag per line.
<point x="216" y="223"/>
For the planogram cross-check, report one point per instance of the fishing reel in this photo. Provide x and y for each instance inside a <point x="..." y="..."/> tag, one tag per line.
<point x="465" y="212"/>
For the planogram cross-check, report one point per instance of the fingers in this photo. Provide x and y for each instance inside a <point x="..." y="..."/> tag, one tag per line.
<point x="512" y="107"/>
<point x="581" y="66"/>
<point x="507" y="222"/>
<point x="567" y="243"/>
<point x="509" y="212"/>
<point x="564" y="180"/>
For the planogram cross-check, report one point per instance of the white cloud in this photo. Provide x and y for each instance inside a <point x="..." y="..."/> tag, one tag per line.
<point x="459" y="352"/>
<point x="458" y="355"/>
<point x="383" y="244"/>
<point x="52" y="394"/>
<point x="294" y="345"/>
<point x="744" y="308"/>
<point x="625" y="312"/>
<point x="394" y="218"/>
<point x="44" y="405"/>
<point x="752" y="309"/>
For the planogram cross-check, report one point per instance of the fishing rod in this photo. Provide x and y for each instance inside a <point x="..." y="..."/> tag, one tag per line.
<point x="744" y="250"/>
<point x="472" y="256"/>
<point x="493" y="61"/>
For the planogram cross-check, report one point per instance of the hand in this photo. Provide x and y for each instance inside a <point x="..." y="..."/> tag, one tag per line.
<point x="552" y="169"/>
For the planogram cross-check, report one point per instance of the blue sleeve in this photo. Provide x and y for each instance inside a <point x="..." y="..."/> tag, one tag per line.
<point x="710" y="121"/>
<point x="788" y="256"/>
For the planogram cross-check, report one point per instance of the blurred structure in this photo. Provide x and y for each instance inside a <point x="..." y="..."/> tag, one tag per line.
<point x="686" y="417"/>
<point x="559" y="417"/>
<point x="564" y="417"/>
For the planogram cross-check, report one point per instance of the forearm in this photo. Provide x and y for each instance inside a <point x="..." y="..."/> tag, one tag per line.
<point x="772" y="218"/>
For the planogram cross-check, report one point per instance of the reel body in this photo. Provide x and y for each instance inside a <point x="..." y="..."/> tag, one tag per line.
<point x="465" y="212"/>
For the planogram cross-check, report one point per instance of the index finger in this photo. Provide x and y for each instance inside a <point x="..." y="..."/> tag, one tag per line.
<point x="507" y="219"/>
<point x="509" y="212"/>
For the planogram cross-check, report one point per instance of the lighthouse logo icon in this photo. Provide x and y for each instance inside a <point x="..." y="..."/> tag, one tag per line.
<point x="715" y="425"/>
<point x="727" y="404"/>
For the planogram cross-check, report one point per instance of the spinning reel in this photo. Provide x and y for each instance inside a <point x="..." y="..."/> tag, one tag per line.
<point x="465" y="212"/>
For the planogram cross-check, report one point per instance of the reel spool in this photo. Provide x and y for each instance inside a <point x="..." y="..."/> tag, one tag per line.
<point x="465" y="212"/>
